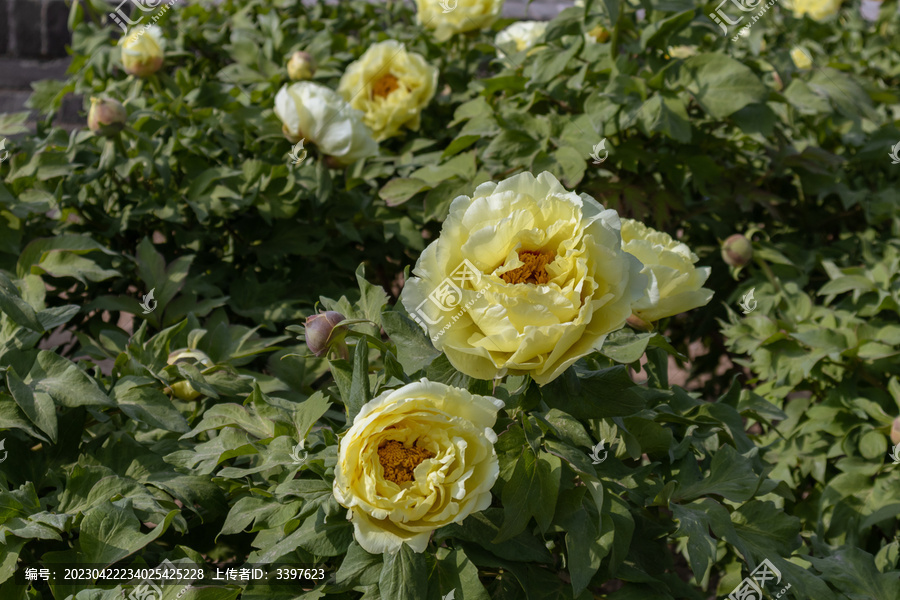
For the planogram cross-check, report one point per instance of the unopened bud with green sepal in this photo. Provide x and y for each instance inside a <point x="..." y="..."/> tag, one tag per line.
<point x="737" y="250"/>
<point x="323" y="333"/>
<point x="106" y="116"/>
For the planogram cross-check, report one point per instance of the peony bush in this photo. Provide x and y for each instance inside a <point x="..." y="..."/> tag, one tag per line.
<point x="410" y="300"/>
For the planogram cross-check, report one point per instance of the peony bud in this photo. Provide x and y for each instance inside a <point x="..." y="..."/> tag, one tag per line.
<point x="183" y="389"/>
<point x="895" y="431"/>
<point x="143" y="51"/>
<point x="106" y="116"/>
<point x="322" y="332"/>
<point x="301" y="66"/>
<point x="639" y="324"/>
<point x="599" y="33"/>
<point x="801" y="58"/>
<point x="737" y="250"/>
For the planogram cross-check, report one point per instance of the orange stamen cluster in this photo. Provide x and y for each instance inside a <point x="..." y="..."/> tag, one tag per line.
<point x="383" y="87"/>
<point x="533" y="271"/>
<point x="399" y="462"/>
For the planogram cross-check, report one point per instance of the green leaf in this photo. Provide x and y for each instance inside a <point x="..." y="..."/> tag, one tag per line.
<point x="42" y="249"/>
<point x="359" y="567"/>
<point x="694" y="523"/>
<point x="731" y="476"/>
<point x="414" y="350"/>
<point x="111" y="531"/>
<point x="20" y="312"/>
<point x="166" y="282"/>
<point x="853" y="570"/>
<point x="656" y="35"/>
<point x="457" y="574"/>
<point x="721" y="84"/>
<point x="404" y="574"/>
<point x="309" y="411"/>
<point x="148" y="405"/>
<point x="594" y="394"/>
<point x="625" y="346"/>
<point x="397" y="191"/>
<point x="359" y="387"/>
<point x="530" y="492"/>
<point x="667" y="114"/>
<point x="37" y="406"/>
<point x="548" y="65"/>
<point x="481" y="527"/>
<point x="63" y="381"/>
<point x="372" y="297"/>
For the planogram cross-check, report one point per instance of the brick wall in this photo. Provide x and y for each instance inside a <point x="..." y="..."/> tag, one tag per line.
<point x="34" y="35"/>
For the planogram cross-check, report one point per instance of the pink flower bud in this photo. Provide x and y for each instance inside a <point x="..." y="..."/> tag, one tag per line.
<point x="322" y="332"/>
<point x="737" y="250"/>
<point x="106" y="116"/>
<point x="895" y="431"/>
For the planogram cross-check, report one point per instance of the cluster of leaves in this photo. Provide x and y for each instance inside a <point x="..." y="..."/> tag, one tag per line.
<point x="119" y="450"/>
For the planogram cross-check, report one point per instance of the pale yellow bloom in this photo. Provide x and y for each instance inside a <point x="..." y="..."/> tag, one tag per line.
<point x="390" y="86"/>
<point x="312" y="112"/>
<point x="520" y="36"/>
<point x="459" y="16"/>
<point x="416" y="459"/>
<point x="675" y="284"/>
<point x="549" y="279"/>
<point x="143" y="50"/>
<point x="816" y="9"/>
<point x="801" y="58"/>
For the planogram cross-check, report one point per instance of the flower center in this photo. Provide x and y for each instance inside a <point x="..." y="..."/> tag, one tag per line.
<point x="399" y="462"/>
<point x="383" y="87"/>
<point x="533" y="271"/>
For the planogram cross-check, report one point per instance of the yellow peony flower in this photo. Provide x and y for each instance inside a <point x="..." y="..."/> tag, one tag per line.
<point x="675" y="285"/>
<point x="801" y="58"/>
<point x="520" y="36"/>
<point x="459" y="16"/>
<point x="143" y="50"/>
<point x="416" y="459"/>
<point x="816" y="9"/>
<point x="526" y="277"/>
<point x="314" y="113"/>
<point x="390" y="86"/>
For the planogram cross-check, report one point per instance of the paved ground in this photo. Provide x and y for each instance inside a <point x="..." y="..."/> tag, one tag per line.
<point x="33" y="36"/>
